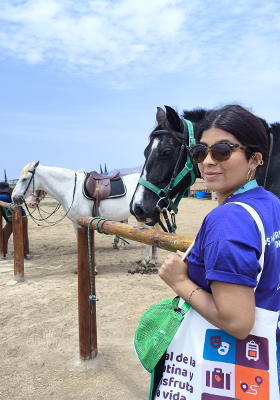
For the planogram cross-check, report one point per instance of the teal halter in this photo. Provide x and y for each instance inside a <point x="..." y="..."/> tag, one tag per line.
<point x="188" y="169"/>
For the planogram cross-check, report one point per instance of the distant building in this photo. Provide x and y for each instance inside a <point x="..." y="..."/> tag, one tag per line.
<point x="13" y="181"/>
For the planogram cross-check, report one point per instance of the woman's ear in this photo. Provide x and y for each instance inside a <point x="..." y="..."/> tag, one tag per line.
<point x="255" y="161"/>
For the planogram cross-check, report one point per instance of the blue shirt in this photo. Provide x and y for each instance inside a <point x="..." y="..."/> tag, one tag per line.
<point x="6" y="212"/>
<point x="228" y="246"/>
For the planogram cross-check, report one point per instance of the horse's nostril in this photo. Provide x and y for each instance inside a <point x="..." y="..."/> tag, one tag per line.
<point x="139" y="212"/>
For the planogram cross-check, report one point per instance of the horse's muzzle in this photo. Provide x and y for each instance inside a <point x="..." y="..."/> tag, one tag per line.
<point x="18" y="199"/>
<point x="141" y="216"/>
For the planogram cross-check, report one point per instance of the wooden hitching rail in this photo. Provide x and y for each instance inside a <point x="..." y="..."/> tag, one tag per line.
<point x="87" y="319"/>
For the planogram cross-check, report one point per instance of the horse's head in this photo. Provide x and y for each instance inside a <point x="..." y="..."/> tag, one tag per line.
<point x="26" y="183"/>
<point x="166" y="152"/>
<point x="35" y="198"/>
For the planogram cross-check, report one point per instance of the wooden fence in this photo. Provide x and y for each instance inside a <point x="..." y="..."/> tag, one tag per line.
<point x="87" y="313"/>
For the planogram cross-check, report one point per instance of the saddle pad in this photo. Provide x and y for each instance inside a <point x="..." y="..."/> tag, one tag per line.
<point x="118" y="189"/>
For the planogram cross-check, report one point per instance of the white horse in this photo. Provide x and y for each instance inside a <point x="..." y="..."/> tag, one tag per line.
<point x="66" y="186"/>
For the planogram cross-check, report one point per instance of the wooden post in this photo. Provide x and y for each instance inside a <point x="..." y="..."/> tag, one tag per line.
<point x="7" y="205"/>
<point x="1" y="232"/>
<point x="18" y="245"/>
<point x="87" y="318"/>
<point x="163" y="240"/>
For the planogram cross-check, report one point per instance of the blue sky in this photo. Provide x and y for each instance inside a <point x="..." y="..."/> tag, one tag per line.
<point x="81" y="80"/>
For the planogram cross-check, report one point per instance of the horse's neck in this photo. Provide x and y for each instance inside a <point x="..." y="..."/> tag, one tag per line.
<point x="57" y="182"/>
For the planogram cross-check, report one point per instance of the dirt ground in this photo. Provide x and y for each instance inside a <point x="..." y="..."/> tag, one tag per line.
<point x="39" y="317"/>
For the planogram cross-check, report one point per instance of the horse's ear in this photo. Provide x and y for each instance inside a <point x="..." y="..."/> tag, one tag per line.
<point x="174" y="119"/>
<point x="161" y="116"/>
<point x="36" y="164"/>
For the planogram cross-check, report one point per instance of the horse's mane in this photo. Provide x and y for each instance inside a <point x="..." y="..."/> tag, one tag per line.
<point x="195" y="115"/>
<point x="24" y="171"/>
<point x="275" y="127"/>
<point x="266" y="125"/>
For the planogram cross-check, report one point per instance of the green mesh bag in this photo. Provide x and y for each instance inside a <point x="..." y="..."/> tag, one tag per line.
<point x="156" y="330"/>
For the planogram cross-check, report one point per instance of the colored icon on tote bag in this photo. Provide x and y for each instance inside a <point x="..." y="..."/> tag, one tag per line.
<point x="252" y="352"/>
<point x="219" y="346"/>
<point x="251" y="383"/>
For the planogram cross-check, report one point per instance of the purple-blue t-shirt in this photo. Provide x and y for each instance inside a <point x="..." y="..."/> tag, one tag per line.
<point x="228" y="247"/>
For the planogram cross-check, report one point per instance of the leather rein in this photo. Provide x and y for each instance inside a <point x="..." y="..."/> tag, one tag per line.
<point x="188" y="140"/>
<point x="57" y="207"/>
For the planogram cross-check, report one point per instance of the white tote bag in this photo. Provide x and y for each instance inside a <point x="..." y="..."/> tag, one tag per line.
<point x="206" y="363"/>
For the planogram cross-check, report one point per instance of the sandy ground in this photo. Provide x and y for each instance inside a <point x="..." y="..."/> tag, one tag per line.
<point x="39" y="317"/>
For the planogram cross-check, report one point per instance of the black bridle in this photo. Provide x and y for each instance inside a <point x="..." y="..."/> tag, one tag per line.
<point x="32" y="179"/>
<point x="188" y="140"/>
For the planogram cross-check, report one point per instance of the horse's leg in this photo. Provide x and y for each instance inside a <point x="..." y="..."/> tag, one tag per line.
<point x="119" y="243"/>
<point x="116" y="242"/>
<point x="145" y="260"/>
<point x="153" y="260"/>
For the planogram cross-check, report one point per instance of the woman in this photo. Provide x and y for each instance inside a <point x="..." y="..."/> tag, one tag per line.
<point x="5" y="195"/>
<point x="223" y="266"/>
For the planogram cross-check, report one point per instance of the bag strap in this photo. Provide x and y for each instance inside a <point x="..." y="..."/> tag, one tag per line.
<point x="259" y="223"/>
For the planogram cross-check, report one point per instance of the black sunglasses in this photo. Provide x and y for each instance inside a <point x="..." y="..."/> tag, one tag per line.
<point x="219" y="152"/>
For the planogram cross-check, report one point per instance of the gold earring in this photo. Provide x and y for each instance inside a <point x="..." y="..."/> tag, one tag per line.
<point x="261" y="162"/>
<point x="249" y="175"/>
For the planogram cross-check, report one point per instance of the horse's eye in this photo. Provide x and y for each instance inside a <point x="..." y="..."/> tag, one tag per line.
<point x="167" y="153"/>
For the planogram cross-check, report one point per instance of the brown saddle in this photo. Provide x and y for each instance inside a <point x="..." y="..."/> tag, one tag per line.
<point x="98" y="187"/>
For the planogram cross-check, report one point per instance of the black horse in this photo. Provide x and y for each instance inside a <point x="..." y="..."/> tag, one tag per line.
<point x="168" y="151"/>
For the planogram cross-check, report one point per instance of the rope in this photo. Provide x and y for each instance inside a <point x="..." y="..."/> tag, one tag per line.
<point x="92" y="297"/>
<point x="99" y="229"/>
<point x="10" y="207"/>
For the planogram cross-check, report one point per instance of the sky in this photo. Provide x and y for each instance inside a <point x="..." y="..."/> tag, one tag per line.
<point x="80" y="81"/>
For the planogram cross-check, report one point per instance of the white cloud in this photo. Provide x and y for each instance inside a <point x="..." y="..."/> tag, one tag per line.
<point x="130" y="40"/>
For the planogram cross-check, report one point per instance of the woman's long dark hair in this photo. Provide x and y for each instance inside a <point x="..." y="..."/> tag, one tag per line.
<point x="241" y="123"/>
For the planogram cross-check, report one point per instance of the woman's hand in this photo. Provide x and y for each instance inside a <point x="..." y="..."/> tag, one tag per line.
<point x="174" y="271"/>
